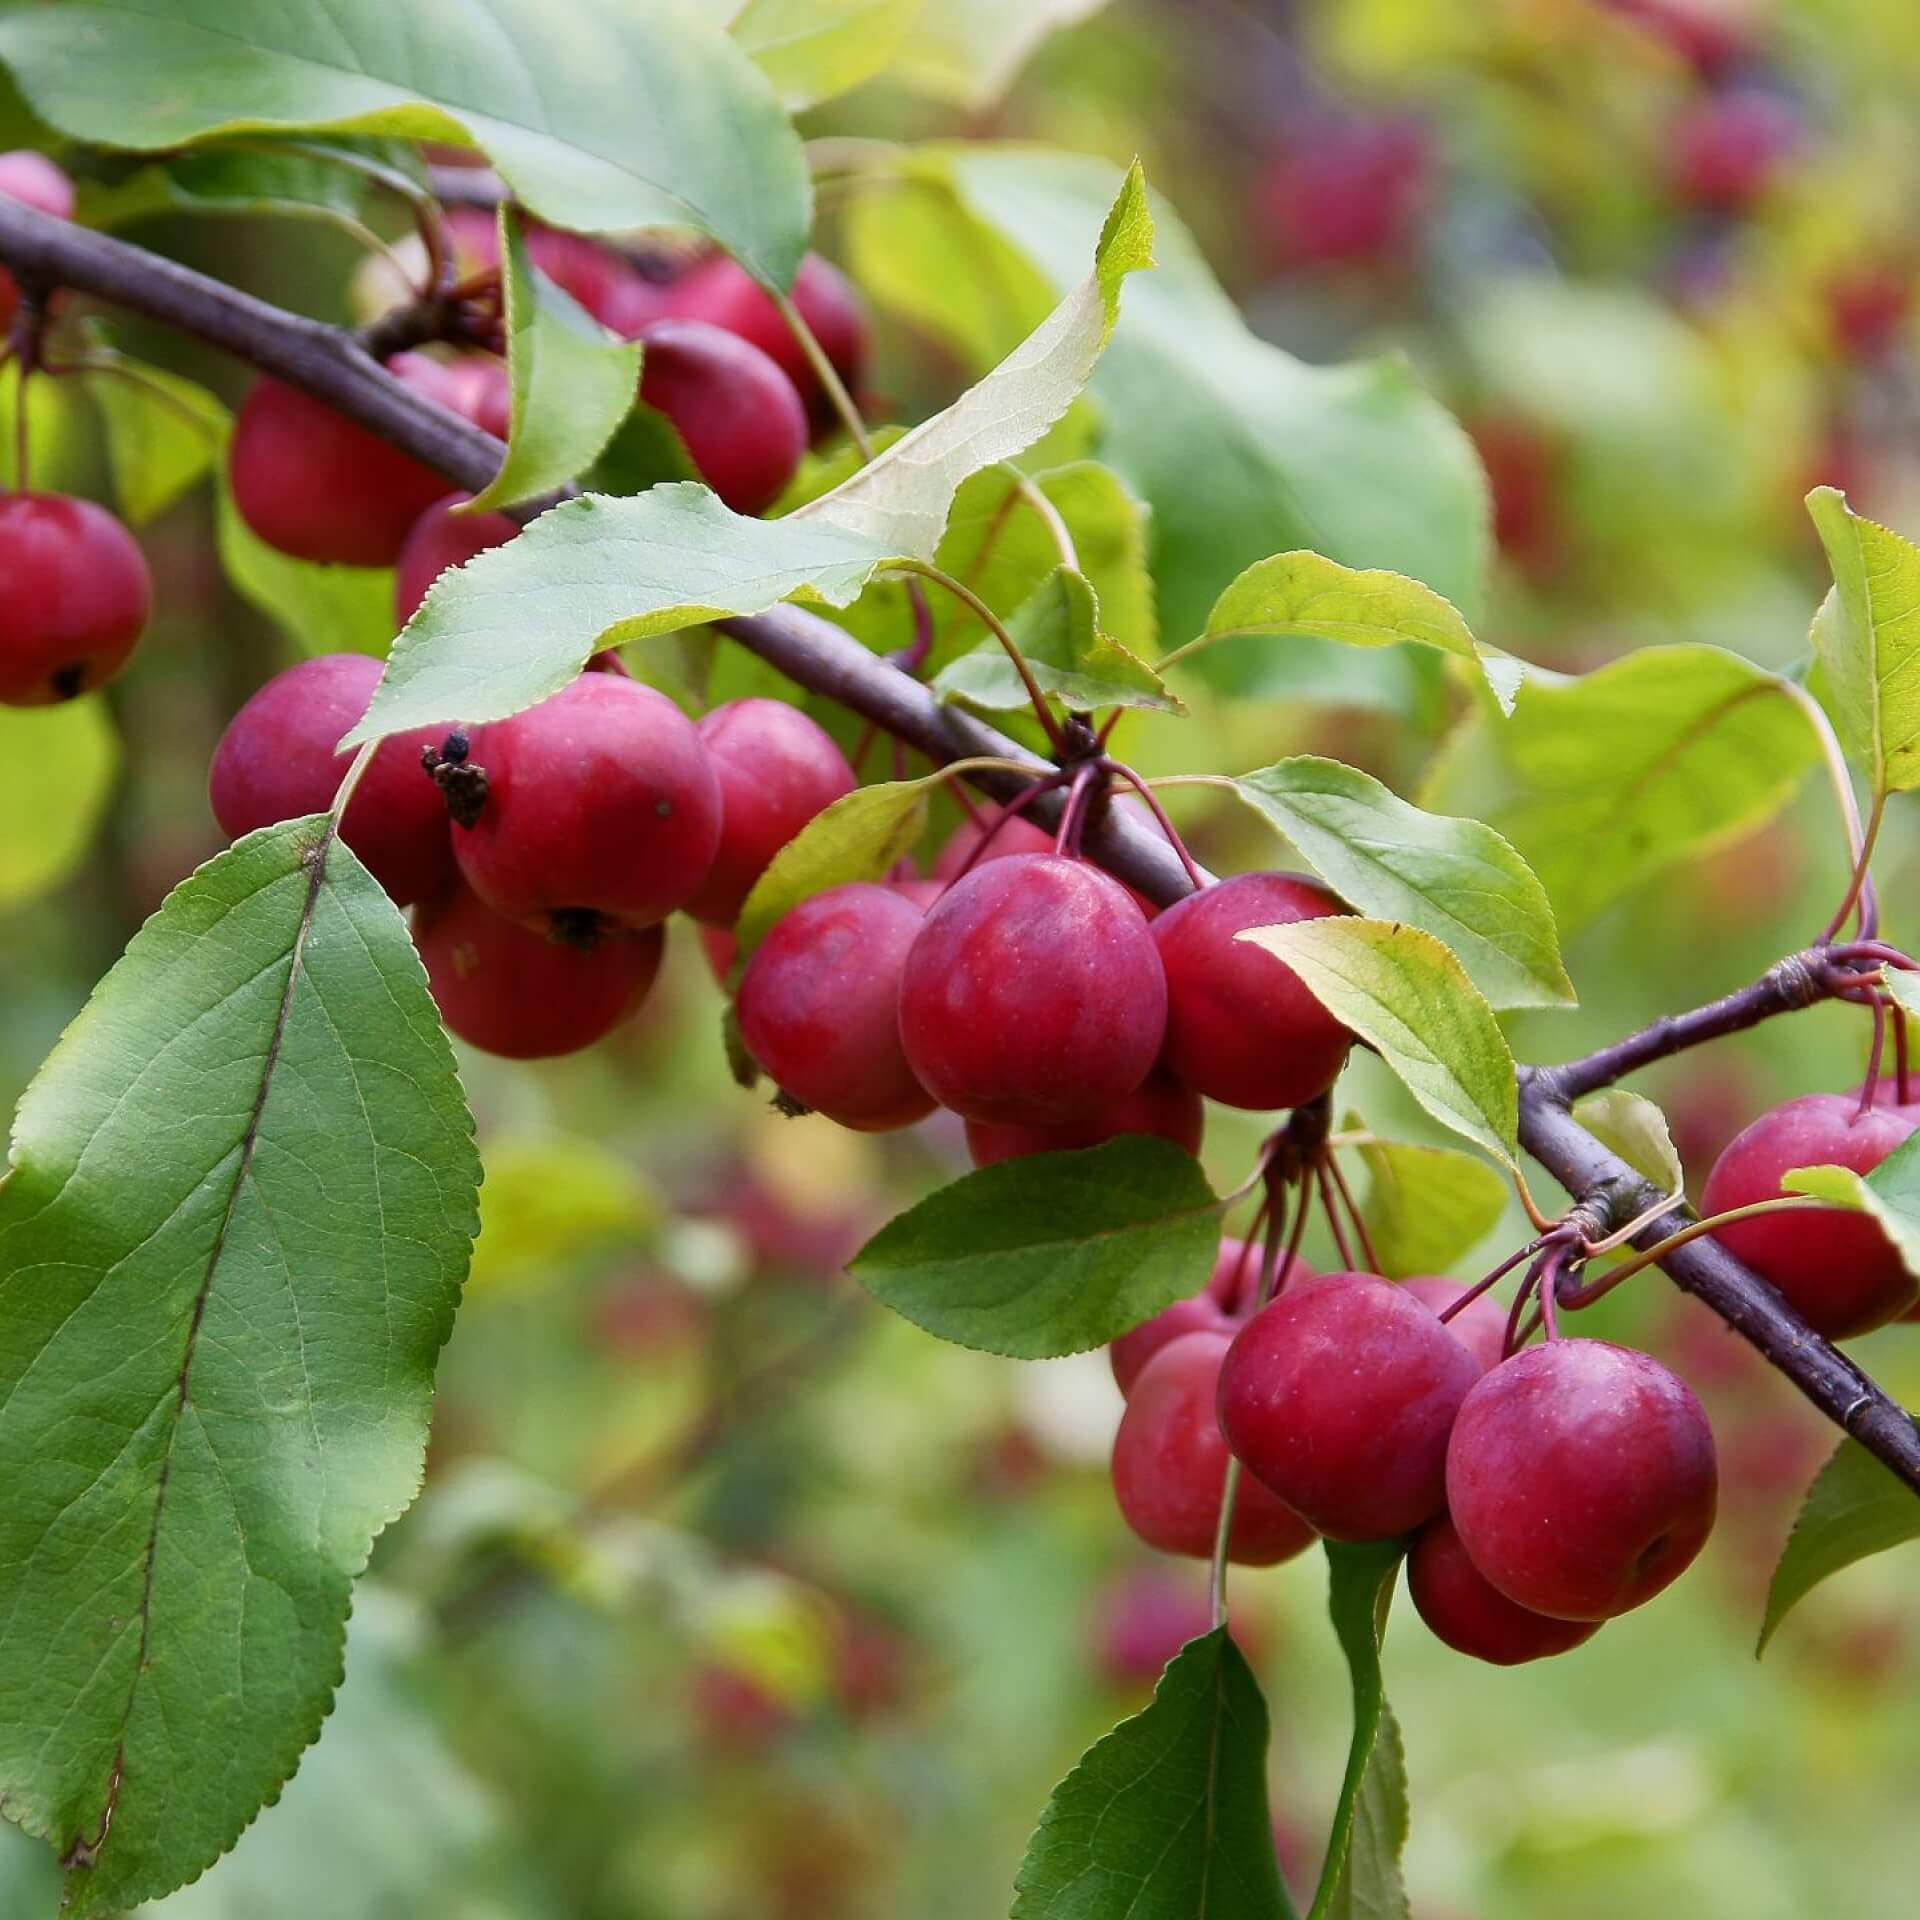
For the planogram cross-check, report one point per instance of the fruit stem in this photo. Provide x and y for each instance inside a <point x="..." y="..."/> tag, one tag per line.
<point x="1146" y="793"/>
<point x="1010" y="811"/>
<point x="1066" y="840"/>
<point x="1874" y="1052"/>
<point x="1049" y="516"/>
<point x="1324" y="1187"/>
<point x="826" y="373"/>
<point x="1653" y="1255"/>
<point x="1332" y="1165"/>
<point x="1900" y="1055"/>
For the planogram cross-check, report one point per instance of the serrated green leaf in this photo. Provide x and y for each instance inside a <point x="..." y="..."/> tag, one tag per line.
<point x="691" y="134"/>
<point x="70" y="751"/>
<point x="1293" y="594"/>
<point x="645" y="451"/>
<point x="1402" y="992"/>
<point x="971" y="55"/>
<point x="1867" y="639"/>
<point x="164" y="434"/>
<point x="1360" y="1879"/>
<point x="1049" y="1254"/>
<point x="571" y="381"/>
<point x="320" y="609"/>
<point x="1854" y="1509"/>
<point x="1634" y="1128"/>
<point x="1456" y="878"/>
<point x="231" y="1241"/>
<point x="1165" y="1818"/>
<point x="813" y="50"/>
<point x="1604" y="781"/>
<point x="1058" y="631"/>
<point x="1425" y="1207"/>
<point x="1890" y="1193"/>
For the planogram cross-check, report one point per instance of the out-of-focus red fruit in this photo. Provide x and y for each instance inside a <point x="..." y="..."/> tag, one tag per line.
<point x="1018" y="835"/>
<point x="278" y="760"/>
<point x="1480" y="1327"/>
<point x="1524" y="477"/>
<point x="516" y="993"/>
<point x="441" y="539"/>
<point x="74" y="596"/>
<point x="734" y="1710"/>
<point x="33" y="180"/>
<point x="1709" y="35"/>
<point x="1473" y="1616"/>
<point x="720" y="949"/>
<point x="1221" y="1306"/>
<point x="1835" y="1268"/>
<point x="1170" y="1463"/>
<point x="1726" y="149"/>
<point x="738" y="415"/>
<point x="648" y="1314"/>
<point x="1161" y="1107"/>
<point x="923" y="893"/>
<point x="1144" y="1617"/>
<point x="1867" y="310"/>
<point x="1707" y="1102"/>
<point x="1343" y="191"/>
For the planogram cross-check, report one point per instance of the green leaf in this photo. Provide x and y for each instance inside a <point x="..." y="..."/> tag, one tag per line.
<point x="814" y="49"/>
<point x="572" y="382"/>
<point x="1456" y="878"/>
<point x="858" y="837"/>
<point x="1360" y="1879"/>
<point x="1165" y="1818"/>
<point x="1058" y="632"/>
<point x="164" y="435"/>
<point x="970" y="55"/>
<point x="551" y="1200"/>
<point x="1854" y="1509"/>
<point x="1630" y="1125"/>
<point x="599" y="114"/>
<point x="70" y="751"/>
<point x="1425" y="1207"/>
<point x="518" y="622"/>
<point x="1237" y="447"/>
<point x="1051" y="1254"/>
<point x="1307" y="594"/>
<point x="320" y="609"/>
<point x="231" y="1241"/>
<point x="1867" y="639"/>
<point x="645" y="450"/>
<point x="1403" y="993"/>
<point x="1604" y="781"/>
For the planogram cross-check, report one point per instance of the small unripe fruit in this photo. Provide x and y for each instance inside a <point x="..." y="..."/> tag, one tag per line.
<point x="1170" y="1464"/>
<point x="33" y="180"/>
<point x="1221" y="1306"/>
<point x="1160" y="1107"/>
<point x="601" y="806"/>
<point x="737" y="414"/>
<point x="442" y="538"/>
<point x="818" y="1007"/>
<point x="1241" y="1028"/>
<point x="74" y="596"/>
<point x="1581" y="1478"/>
<point x="1471" y="1615"/>
<point x="776" y="770"/>
<point x="521" y="995"/>
<point x="1339" y="1396"/>
<point x="1033" y="995"/>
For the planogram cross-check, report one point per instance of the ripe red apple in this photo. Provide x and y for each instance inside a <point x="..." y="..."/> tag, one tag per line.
<point x="1221" y="1306"/>
<point x="74" y="596"/>
<point x="1473" y="1616"/>
<point x="1159" y="1106"/>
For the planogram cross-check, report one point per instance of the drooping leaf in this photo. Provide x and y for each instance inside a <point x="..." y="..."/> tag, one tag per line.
<point x="1165" y="1818"/>
<point x="1058" y="631"/>
<point x="1360" y="1878"/>
<point x="70" y="751"/>
<point x="231" y="1241"/>
<point x="1400" y="990"/>
<point x="321" y="609"/>
<point x="1854" y="1509"/>
<point x="572" y="382"/>
<point x="691" y="135"/>
<point x="971" y="55"/>
<point x="164" y="435"/>
<point x="1634" y="1128"/>
<point x="1425" y="1207"/>
<point x="1867" y="639"/>
<point x="1604" y="781"/>
<point x="1456" y="878"/>
<point x="1304" y="593"/>
<point x="814" y="49"/>
<point x="1050" y="1254"/>
<point x="1890" y="1193"/>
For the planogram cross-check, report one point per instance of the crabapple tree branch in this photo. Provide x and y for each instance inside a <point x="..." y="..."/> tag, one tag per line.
<point x="333" y="364"/>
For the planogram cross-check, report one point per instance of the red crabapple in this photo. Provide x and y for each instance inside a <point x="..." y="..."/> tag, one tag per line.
<point x="1339" y="1395"/>
<point x="818" y="1007"/>
<point x="1480" y="1327"/>
<point x="277" y="760"/>
<point x="776" y="770"/>
<point x="1170" y="1462"/>
<point x="737" y="414"/>
<point x="519" y="994"/>
<point x="441" y="539"/>
<point x="1581" y="1478"/>
<point x="1347" y="190"/>
<point x="1033" y="995"/>
<point x="1158" y="1106"/>
<point x="1835" y="1268"/>
<point x="74" y="595"/>
<point x="33" y="180"/>
<point x="1221" y="1306"/>
<point x="590" y="272"/>
<point x="1021" y="834"/>
<point x="1241" y="1028"/>
<point x="1146" y="1615"/>
<point x="1471" y="1615"/>
<point x="601" y="806"/>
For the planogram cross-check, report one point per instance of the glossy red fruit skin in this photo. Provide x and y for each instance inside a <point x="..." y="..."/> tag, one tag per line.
<point x="1471" y="1615"/>
<point x="1018" y="835"/>
<point x="776" y="770"/>
<point x="518" y="994"/>
<point x="1169" y="1463"/>
<point x="74" y="595"/>
<point x="33" y="180"/>
<point x="737" y="413"/>
<point x="600" y="799"/>
<point x="1581" y="1478"/>
<point x="1836" y="1269"/>
<point x="441" y="539"/>
<point x="818" y="1007"/>
<point x="277" y="760"/>
<point x="1339" y="1396"/>
<point x="1480" y="1327"/>
<point x="1240" y="1026"/>
<point x="1158" y="1106"/>
<point x="1033" y="996"/>
<point x="1221" y="1306"/>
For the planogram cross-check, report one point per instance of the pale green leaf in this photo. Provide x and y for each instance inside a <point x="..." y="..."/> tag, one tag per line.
<point x="320" y="609"/>
<point x="1425" y="1207"/>
<point x="1890" y="1193"/>
<point x="1630" y="1125"/>
<point x="813" y="50"/>
<point x="71" y="752"/>
<point x="971" y="55"/>
<point x="164" y="434"/>
<point x="550" y="1200"/>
